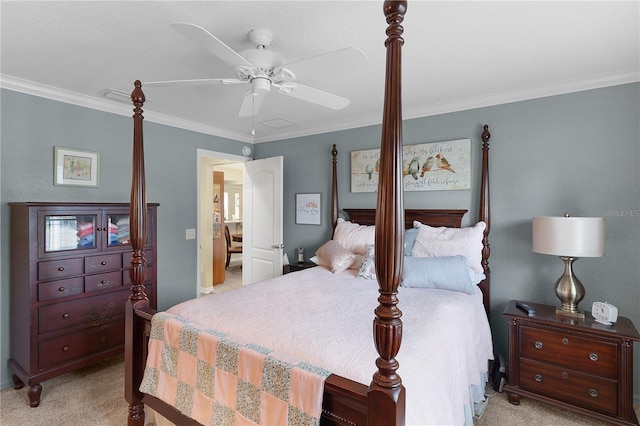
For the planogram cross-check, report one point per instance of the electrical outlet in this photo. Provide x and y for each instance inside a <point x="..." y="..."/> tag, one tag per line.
<point x="191" y="234"/>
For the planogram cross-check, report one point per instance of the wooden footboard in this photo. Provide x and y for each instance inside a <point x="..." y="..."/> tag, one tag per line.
<point x="344" y="401"/>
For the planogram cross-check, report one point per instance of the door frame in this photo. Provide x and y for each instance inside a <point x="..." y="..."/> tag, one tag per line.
<point x="217" y="158"/>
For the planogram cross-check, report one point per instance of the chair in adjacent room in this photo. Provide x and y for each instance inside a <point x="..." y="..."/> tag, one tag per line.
<point x="230" y="249"/>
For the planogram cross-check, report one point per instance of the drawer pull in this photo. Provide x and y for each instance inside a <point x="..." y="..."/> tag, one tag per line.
<point x="103" y="282"/>
<point x="593" y="356"/>
<point x="565" y="375"/>
<point x="538" y="345"/>
<point x="61" y="268"/>
<point x="538" y="378"/>
<point x="593" y="393"/>
<point x="565" y="341"/>
<point x="103" y="263"/>
<point x="65" y="315"/>
<point x="61" y="289"/>
<point x="65" y="349"/>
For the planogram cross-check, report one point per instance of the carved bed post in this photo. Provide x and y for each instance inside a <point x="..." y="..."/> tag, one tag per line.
<point x="386" y="396"/>
<point x="137" y="272"/>
<point x="485" y="216"/>
<point x="334" y="188"/>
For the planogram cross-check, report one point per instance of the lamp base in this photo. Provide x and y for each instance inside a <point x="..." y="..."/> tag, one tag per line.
<point x="572" y="314"/>
<point x="569" y="290"/>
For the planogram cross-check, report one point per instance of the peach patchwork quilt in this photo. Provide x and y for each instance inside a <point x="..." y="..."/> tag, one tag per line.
<point x="218" y="380"/>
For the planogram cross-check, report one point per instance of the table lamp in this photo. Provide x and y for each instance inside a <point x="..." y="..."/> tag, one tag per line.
<point x="570" y="238"/>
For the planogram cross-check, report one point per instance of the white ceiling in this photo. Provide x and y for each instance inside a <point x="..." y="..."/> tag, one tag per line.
<point x="457" y="55"/>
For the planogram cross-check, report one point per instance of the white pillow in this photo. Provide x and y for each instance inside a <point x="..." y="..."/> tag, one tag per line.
<point x="335" y="257"/>
<point x="443" y="241"/>
<point x="354" y="237"/>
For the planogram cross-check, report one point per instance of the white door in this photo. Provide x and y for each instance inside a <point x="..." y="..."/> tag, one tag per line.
<point x="262" y="241"/>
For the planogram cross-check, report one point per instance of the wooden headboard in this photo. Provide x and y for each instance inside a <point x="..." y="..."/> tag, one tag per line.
<point x="449" y="218"/>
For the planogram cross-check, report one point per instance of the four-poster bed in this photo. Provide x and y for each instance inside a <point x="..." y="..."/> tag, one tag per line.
<point x="344" y="401"/>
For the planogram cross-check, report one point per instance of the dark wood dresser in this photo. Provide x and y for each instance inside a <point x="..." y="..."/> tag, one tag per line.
<point x="69" y="284"/>
<point x="577" y="364"/>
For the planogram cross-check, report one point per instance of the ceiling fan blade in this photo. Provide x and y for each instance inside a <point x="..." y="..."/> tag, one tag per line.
<point x="195" y="82"/>
<point x="251" y="103"/>
<point x="312" y="95"/>
<point x="210" y="42"/>
<point x="348" y="58"/>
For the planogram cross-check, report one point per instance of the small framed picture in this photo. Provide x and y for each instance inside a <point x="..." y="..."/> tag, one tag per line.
<point x="75" y="168"/>
<point x="308" y="208"/>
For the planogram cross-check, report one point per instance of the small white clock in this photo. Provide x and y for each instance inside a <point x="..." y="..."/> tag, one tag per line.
<point x="604" y="313"/>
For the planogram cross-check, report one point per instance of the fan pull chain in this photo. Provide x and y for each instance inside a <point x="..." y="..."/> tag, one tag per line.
<point x="253" y="114"/>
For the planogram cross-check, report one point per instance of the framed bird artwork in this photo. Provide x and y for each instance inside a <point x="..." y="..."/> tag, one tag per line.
<point x="435" y="166"/>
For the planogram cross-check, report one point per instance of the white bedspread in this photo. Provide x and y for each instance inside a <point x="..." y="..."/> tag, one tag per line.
<point x="326" y="319"/>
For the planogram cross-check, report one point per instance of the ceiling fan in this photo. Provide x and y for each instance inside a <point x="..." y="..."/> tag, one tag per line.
<point x="264" y="69"/>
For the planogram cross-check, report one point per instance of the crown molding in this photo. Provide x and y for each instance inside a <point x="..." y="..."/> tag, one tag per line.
<point x="107" y="105"/>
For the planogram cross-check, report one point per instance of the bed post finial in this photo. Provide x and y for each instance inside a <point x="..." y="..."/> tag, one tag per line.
<point x="386" y="396"/>
<point x="334" y="188"/>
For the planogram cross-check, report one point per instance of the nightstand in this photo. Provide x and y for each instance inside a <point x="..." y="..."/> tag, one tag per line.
<point x="293" y="267"/>
<point x="580" y="365"/>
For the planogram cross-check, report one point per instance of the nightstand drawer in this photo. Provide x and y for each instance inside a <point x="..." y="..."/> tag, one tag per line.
<point x="586" y="390"/>
<point x="569" y="350"/>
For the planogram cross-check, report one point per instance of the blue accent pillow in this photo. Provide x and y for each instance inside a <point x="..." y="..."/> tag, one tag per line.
<point x="444" y="273"/>
<point x="409" y="239"/>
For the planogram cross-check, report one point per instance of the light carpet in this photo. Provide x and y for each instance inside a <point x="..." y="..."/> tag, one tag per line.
<point x="95" y="396"/>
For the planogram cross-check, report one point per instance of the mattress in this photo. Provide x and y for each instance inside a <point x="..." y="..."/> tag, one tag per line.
<point x="326" y="320"/>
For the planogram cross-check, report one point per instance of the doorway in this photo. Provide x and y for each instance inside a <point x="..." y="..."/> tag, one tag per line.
<point x="231" y="165"/>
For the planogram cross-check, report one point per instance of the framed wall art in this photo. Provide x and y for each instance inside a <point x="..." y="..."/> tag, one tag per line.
<point x="308" y="209"/>
<point x="426" y="167"/>
<point x="75" y="167"/>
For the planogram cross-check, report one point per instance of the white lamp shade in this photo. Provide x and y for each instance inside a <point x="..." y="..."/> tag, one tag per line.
<point x="569" y="236"/>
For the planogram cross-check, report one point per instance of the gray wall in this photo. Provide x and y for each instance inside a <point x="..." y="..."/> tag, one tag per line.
<point x="578" y="153"/>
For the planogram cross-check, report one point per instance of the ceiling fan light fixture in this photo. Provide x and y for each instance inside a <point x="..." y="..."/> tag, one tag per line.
<point x="261" y="85"/>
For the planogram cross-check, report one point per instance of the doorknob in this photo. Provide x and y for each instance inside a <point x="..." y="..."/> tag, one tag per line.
<point x="278" y="246"/>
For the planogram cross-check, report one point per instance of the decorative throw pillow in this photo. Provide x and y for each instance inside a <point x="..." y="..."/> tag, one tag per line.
<point x="444" y="273"/>
<point x="443" y="241"/>
<point x="352" y="236"/>
<point x="356" y="263"/>
<point x="409" y="240"/>
<point x="335" y="257"/>
<point x="368" y="268"/>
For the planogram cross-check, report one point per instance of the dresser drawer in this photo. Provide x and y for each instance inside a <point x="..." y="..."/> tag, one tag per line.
<point x="88" y="310"/>
<point x="61" y="288"/>
<point x="56" y="269"/>
<point x="102" y="263"/>
<point x="56" y="351"/>
<point x="569" y="350"/>
<point x="102" y="281"/>
<point x="586" y="390"/>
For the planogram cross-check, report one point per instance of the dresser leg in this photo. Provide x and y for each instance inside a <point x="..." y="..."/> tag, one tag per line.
<point x="34" y="395"/>
<point x="513" y="398"/>
<point x="17" y="383"/>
